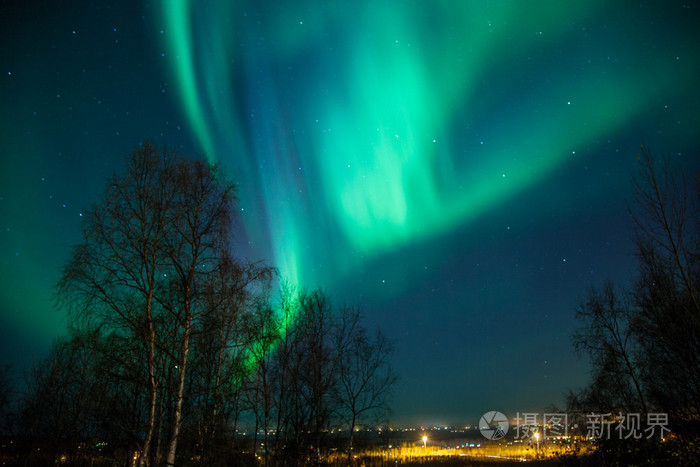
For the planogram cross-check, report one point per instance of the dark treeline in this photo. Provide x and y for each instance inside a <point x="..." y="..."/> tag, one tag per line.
<point x="644" y="339"/>
<point x="176" y="347"/>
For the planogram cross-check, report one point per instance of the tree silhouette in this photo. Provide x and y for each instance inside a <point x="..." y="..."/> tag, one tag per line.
<point x="365" y="377"/>
<point x="606" y="335"/>
<point x="645" y="342"/>
<point x="174" y="339"/>
<point x="153" y="245"/>
<point x="112" y="280"/>
<point x="667" y="319"/>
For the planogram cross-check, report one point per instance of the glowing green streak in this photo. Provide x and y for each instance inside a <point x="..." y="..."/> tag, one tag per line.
<point x="177" y="14"/>
<point x="384" y="176"/>
<point x="378" y="153"/>
<point x="375" y="199"/>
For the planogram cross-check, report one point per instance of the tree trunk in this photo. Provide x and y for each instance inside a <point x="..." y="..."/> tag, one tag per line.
<point x="352" y="437"/>
<point x="217" y="383"/>
<point x="170" y="460"/>
<point x="153" y="386"/>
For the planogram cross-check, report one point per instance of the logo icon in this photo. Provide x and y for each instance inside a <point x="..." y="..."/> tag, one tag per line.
<point x="493" y="425"/>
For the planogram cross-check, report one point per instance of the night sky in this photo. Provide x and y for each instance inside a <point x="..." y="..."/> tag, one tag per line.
<point x="458" y="169"/>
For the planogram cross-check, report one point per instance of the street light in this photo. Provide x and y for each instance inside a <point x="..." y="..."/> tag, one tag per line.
<point x="425" y="440"/>
<point x="537" y="438"/>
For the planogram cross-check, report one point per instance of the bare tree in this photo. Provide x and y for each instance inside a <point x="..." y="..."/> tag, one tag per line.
<point x="155" y="282"/>
<point x="320" y="358"/>
<point x="198" y="231"/>
<point x="667" y="321"/>
<point x="221" y="343"/>
<point x="286" y="367"/>
<point x="606" y="336"/>
<point x="365" y="377"/>
<point x="648" y="347"/>
<point x="328" y="372"/>
<point x="151" y="245"/>
<point x="667" y="223"/>
<point x="264" y="331"/>
<point x="64" y="397"/>
<point x="112" y="278"/>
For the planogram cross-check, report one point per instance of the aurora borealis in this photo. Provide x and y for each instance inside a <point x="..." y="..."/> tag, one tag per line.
<point x="378" y="121"/>
<point x="460" y="170"/>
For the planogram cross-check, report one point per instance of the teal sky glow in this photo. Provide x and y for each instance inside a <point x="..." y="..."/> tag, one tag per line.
<point x="458" y="169"/>
<point x="360" y="132"/>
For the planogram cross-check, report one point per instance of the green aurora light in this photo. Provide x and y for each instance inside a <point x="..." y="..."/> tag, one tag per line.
<point x="350" y="122"/>
<point x="459" y="169"/>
